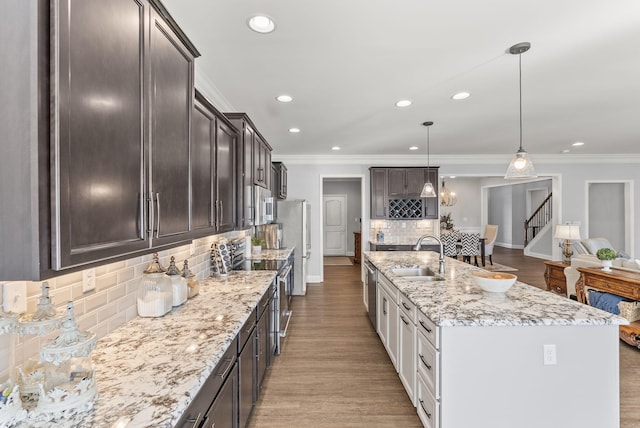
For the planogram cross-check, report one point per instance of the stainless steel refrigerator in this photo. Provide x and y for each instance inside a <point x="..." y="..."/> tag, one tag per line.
<point x="294" y="216"/>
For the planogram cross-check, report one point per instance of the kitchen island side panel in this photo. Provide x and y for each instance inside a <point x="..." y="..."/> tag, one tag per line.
<point x="496" y="377"/>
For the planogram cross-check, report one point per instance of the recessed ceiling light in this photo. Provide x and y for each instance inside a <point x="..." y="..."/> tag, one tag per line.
<point x="261" y="24"/>
<point x="284" y="98"/>
<point x="335" y="148"/>
<point x="452" y="176"/>
<point x="578" y="143"/>
<point x="294" y="130"/>
<point x="566" y="151"/>
<point x="413" y="148"/>
<point x="460" y="96"/>
<point x="404" y="103"/>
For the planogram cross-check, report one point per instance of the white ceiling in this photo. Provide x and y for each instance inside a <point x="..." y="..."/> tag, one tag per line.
<point x="346" y="63"/>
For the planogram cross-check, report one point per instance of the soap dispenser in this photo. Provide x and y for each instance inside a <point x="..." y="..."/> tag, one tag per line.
<point x="155" y="296"/>
<point x="178" y="283"/>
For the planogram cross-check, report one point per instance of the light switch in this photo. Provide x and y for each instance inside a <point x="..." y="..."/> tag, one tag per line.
<point x="14" y="297"/>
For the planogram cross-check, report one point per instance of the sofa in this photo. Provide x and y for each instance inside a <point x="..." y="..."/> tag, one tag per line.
<point x="589" y="260"/>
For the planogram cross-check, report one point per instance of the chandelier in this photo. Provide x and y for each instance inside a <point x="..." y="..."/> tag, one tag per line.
<point x="447" y="197"/>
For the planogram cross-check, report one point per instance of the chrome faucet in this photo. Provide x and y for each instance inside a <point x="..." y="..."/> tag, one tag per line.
<point x="441" y="259"/>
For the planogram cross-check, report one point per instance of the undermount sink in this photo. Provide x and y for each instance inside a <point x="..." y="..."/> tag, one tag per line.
<point x="417" y="274"/>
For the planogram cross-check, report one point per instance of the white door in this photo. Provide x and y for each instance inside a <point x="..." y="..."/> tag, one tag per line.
<point x="334" y="210"/>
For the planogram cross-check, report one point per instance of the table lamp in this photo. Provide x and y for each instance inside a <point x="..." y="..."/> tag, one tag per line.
<point x="567" y="232"/>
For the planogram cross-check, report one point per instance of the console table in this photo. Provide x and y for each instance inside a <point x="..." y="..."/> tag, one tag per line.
<point x="620" y="282"/>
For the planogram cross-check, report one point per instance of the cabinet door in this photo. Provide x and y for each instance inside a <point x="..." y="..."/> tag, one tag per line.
<point x="202" y="179"/>
<point x="224" y="410"/>
<point x="267" y="165"/>
<point x="263" y="347"/>
<point x="98" y="144"/>
<point x="258" y="162"/>
<point x="246" y="383"/>
<point x="407" y="353"/>
<point x="432" y="205"/>
<point x="378" y="193"/>
<point x="393" y="341"/>
<point x="171" y="102"/>
<point x="415" y="180"/>
<point x="397" y="184"/>
<point x="225" y="183"/>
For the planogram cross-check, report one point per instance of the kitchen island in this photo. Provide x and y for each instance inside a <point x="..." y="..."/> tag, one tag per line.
<point x="524" y="358"/>
<point x="149" y="370"/>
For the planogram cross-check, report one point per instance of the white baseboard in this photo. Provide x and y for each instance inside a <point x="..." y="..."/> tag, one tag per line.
<point x="315" y="279"/>
<point x="511" y="246"/>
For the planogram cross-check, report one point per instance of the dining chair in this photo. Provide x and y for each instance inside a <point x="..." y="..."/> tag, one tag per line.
<point x="470" y="247"/>
<point x="450" y="241"/>
<point x="490" y="235"/>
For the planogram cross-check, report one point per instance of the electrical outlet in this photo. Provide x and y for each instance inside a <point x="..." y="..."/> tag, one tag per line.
<point x="550" y="357"/>
<point x="403" y="225"/>
<point x="192" y="249"/>
<point x="14" y="297"/>
<point x="88" y="280"/>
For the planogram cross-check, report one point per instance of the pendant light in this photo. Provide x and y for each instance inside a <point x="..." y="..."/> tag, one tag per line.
<point x="447" y="197"/>
<point x="520" y="166"/>
<point x="427" y="190"/>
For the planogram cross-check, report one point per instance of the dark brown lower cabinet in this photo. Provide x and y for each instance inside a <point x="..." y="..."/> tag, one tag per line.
<point x="224" y="410"/>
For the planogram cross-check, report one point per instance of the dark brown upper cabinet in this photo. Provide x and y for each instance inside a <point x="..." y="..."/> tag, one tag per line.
<point x="252" y="153"/>
<point x="106" y="142"/>
<point x="279" y="181"/>
<point x="395" y="193"/>
<point x="214" y="142"/>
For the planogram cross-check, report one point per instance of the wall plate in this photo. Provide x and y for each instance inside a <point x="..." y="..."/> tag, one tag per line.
<point x="88" y="280"/>
<point x="14" y="297"/>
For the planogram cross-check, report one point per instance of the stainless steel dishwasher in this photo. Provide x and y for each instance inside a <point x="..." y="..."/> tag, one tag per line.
<point x="372" y="278"/>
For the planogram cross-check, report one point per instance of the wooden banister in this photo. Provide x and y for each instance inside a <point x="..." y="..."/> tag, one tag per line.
<point x="539" y="219"/>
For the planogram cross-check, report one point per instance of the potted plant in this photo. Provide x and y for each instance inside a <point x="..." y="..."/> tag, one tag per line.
<point x="256" y="244"/>
<point x="606" y="255"/>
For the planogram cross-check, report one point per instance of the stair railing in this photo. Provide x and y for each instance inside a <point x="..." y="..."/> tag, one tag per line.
<point x="539" y="219"/>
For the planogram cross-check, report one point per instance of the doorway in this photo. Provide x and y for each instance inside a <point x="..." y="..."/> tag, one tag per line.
<point x="609" y="213"/>
<point x="352" y="186"/>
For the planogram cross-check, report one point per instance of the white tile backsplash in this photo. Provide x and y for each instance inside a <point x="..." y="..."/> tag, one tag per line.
<point x="110" y="305"/>
<point x="403" y="231"/>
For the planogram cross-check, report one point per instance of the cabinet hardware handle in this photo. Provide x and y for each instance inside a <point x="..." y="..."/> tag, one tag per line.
<point x="405" y="306"/>
<point x="226" y="370"/>
<point x="195" y="420"/>
<point x="425" y="327"/>
<point x="158" y="204"/>
<point x="425" y="410"/>
<point x="221" y="211"/>
<point x="152" y="217"/>
<point x="403" y="320"/>
<point x="141" y="233"/>
<point x="384" y="306"/>
<point x="424" y="362"/>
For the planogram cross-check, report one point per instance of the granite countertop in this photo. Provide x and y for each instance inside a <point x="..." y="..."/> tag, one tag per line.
<point x="149" y="370"/>
<point x="267" y="254"/>
<point x="457" y="301"/>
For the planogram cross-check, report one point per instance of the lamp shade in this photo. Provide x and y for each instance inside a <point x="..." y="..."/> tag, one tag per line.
<point x="567" y="231"/>
<point x="428" y="191"/>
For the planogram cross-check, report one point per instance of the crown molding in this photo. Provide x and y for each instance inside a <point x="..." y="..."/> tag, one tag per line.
<point x="413" y="160"/>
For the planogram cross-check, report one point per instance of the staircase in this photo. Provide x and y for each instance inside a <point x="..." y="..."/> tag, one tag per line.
<point x="539" y="219"/>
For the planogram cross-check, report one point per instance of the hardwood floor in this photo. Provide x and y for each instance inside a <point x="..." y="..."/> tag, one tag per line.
<point x="334" y="371"/>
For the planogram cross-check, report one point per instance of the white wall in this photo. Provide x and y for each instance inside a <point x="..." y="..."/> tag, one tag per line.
<point x="305" y="176"/>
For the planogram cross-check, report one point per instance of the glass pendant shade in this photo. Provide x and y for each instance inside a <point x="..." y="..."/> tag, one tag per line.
<point x="521" y="166"/>
<point x="428" y="191"/>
